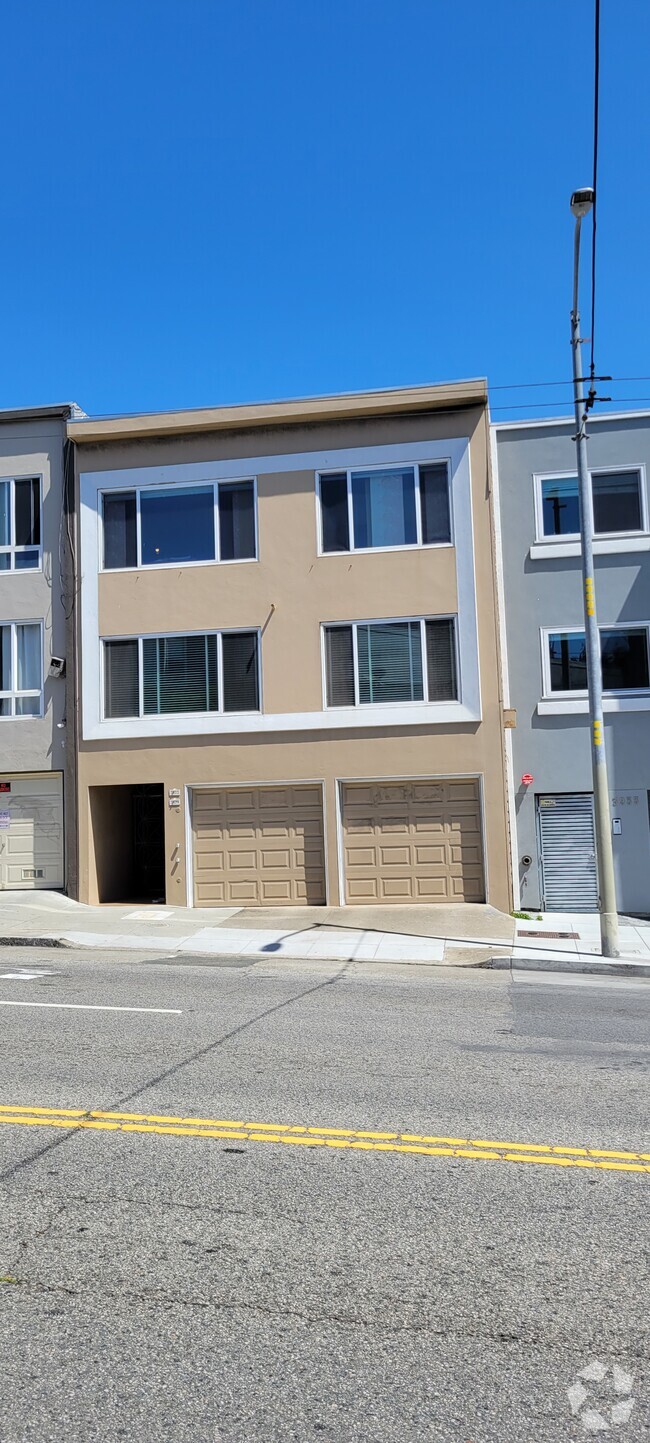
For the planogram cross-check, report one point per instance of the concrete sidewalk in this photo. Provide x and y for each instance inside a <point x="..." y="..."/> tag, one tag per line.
<point x="461" y="935"/>
<point x="465" y="935"/>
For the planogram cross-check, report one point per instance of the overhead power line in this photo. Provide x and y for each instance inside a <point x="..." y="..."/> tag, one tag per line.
<point x="553" y="405"/>
<point x="595" y="181"/>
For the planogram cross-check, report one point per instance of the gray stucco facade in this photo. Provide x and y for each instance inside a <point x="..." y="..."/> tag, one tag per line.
<point x="541" y="584"/>
<point x="36" y="758"/>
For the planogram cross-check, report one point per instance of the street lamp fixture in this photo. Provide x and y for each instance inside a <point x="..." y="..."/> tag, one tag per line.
<point x="581" y="203"/>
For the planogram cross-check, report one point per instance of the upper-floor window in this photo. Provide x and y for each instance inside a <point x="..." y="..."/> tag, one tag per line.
<point x="370" y="663"/>
<point x="174" y="525"/>
<point x="21" y="669"/>
<point x="382" y="507"/>
<point x="618" y="504"/>
<point x="168" y="675"/>
<point x="20" y="523"/>
<point x="624" y="656"/>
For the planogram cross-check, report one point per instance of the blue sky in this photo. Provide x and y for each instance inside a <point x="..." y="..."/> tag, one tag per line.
<point x="207" y="201"/>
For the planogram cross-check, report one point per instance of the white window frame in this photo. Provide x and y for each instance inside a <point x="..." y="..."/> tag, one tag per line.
<point x="414" y="466"/>
<point x="572" y="538"/>
<point x="390" y="621"/>
<point x="15" y="694"/>
<point x="143" y="716"/>
<point x="579" y="695"/>
<point x="12" y="550"/>
<point x="140" y="491"/>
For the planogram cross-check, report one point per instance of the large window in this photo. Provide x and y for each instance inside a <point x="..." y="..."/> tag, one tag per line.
<point x="624" y="656"/>
<point x="20" y="524"/>
<point x="174" y="525"/>
<point x="21" y="669"/>
<point x="618" y="503"/>
<point x="169" y="675"/>
<point x="378" y="662"/>
<point x="384" y="507"/>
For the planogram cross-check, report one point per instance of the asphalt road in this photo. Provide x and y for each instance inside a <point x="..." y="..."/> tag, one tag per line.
<point x="164" y="1284"/>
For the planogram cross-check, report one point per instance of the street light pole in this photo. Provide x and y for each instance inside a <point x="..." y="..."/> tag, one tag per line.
<point x="581" y="203"/>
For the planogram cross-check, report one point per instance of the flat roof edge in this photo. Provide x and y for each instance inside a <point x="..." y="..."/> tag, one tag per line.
<point x="351" y="405"/>
<point x="568" y="420"/>
<point x="67" y="409"/>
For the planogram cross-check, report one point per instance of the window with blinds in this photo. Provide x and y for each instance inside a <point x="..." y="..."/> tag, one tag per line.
<point x="173" y="675"/>
<point x="121" y="690"/>
<point x="385" y="507"/>
<point x="177" y="524"/>
<point x="379" y="662"/>
<point x="179" y="673"/>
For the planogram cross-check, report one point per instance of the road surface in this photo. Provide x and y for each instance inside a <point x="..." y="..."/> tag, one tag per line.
<point x="439" y="1258"/>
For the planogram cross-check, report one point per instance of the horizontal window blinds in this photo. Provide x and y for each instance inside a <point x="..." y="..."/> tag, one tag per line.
<point x="240" y="671"/>
<point x="179" y="674"/>
<point x="121" y="679"/>
<point x="441" y="660"/>
<point x="339" y="662"/>
<point x="390" y="662"/>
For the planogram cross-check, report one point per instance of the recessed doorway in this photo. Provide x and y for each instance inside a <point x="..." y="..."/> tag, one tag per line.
<point x="128" y="831"/>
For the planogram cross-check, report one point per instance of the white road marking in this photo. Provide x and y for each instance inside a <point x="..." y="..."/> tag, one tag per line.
<point x="24" y="976"/>
<point x="92" y="1007"/>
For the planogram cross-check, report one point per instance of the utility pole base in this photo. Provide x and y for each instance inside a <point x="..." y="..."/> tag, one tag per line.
<point x="609" y="934"/>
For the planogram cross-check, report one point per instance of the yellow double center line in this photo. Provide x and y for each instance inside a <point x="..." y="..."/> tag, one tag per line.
<point x="227" y="1130"/>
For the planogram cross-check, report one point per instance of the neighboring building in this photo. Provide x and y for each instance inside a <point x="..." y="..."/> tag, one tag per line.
<point x="289" y="681"/>
<point x="537" y="486"/>
<point x="34" y="596"/>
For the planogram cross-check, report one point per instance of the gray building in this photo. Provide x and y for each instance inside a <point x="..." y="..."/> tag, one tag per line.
<point x="549" y="753"/>
<point x="36" y="754"/>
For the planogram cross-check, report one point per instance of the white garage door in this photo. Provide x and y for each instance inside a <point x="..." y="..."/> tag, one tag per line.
<point x="31" y="830"/>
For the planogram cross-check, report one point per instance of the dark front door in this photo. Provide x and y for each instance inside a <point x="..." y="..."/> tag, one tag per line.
<point x="149" y="842"/>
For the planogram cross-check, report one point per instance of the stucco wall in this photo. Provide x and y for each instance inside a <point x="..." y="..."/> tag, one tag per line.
<point x="35" y="448"/>
<point x="555" y="749"/>
<point x="305" y="590"/>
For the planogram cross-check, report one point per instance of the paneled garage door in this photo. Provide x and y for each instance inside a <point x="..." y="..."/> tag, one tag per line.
<point x="410" y="842"/>
<point x="31" y="830"/>
<point x="259" y="847"/>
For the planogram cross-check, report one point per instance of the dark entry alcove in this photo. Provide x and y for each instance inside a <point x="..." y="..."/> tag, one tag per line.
<point x="128" y="828"/>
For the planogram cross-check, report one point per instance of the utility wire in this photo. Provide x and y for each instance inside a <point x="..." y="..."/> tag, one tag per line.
<point x="532" y="385"/>
<point x="549" y="405"/>
<point x="595" y="182"/>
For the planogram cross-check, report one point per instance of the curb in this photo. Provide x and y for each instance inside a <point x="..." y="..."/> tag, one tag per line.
<point x="570" y="965"/>
<point x="31" y="942"/>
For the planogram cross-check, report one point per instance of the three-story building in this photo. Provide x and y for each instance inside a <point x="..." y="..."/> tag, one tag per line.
<point x="555" y="863"/>
<point x="289" y="687"/>
<point x="36" y="748"/>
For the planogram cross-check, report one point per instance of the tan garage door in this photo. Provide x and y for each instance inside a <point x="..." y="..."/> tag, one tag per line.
<point x="410" y="842"/>
<point x="259" y="847"/>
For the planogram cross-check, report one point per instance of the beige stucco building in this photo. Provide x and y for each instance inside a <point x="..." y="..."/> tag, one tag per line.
<point x="288" y="688"/>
